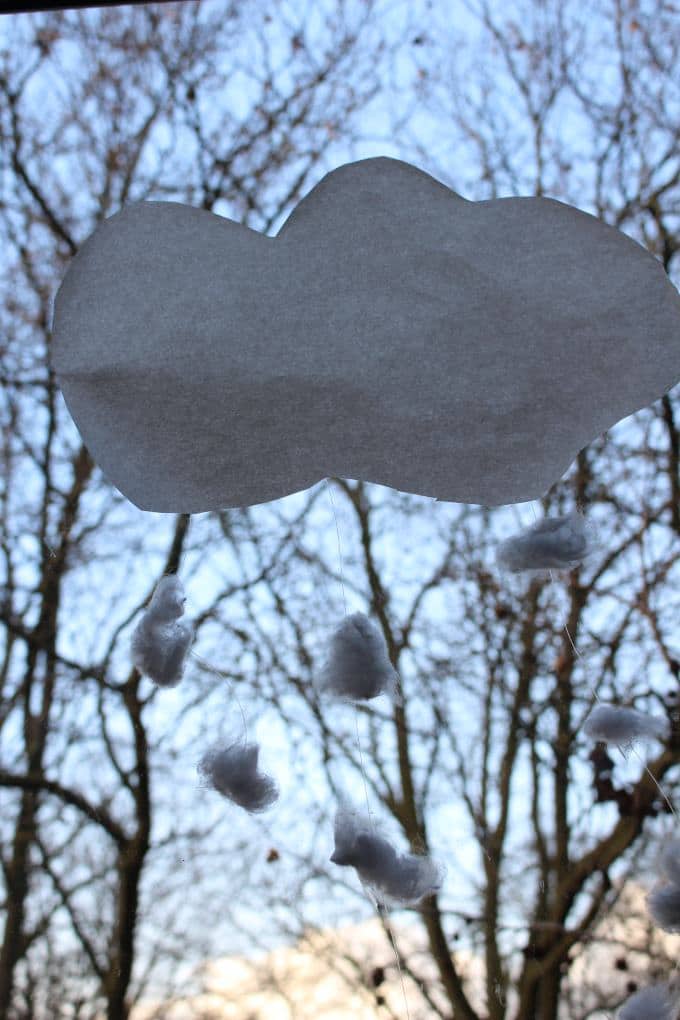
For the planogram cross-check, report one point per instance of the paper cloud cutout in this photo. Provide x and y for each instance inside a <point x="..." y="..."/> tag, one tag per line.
<point x="392" y="332"/>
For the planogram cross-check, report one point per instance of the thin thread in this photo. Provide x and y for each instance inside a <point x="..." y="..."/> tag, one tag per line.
<point x="597" y="699"/>
<point x="592" y="689"/>
<point x="344" y="600"/>
<point x="224" y="676"/>
<point x="663" y="794"/>
<point x="620" y="748"/>
<point x="361" y="765"/>
<point x="340" y="556"/>
<point x="383" y="913"/>
<point x="654" y="780"/>
<point x="388" y="928"/>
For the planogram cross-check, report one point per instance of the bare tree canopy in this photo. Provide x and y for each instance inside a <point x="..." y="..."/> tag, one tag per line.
<point x="124" y="881"/>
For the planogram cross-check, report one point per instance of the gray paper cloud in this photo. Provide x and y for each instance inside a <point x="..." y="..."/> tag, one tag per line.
<point x="392" y="332"/>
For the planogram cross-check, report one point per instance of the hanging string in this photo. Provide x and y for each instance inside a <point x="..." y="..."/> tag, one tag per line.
<point x="384" y="916"/>
<point x="363" y="770"/>
<point x="344" y="600"/>
<point x="597" y="698"/>
<point x="340" y="556"/>
<point x="622" y="750"/>
<point x="676" y="968"/>
<point x="633" y="749"/>
<point x="209" y="668"/>
<point x="382" y="910"/>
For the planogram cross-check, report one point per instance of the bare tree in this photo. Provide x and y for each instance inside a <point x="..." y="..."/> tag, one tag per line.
<point x="118" y="875"/>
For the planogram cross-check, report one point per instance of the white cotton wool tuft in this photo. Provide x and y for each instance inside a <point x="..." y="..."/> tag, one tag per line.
<point x="612" y="724"/>
<point x="168" y="600"/>
<point x="554" y="543"/>
<point x="161" y="640"/>
<point x="664" y="907"/>
<point x="652" y="1003"/>
<point x="358" y="666"/>
<point x="233" y="772"/>
<point x="398" y="878"/>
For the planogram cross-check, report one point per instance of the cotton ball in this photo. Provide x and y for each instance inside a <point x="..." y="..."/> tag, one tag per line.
<point x="652" y="1003"/>
<point x="664" y="907"/>
<point x="233" y="772"/>
<point x="358" y="666"/>
<point x="400" y="878"/>
<point x="161" y="640"/>
<point x="558" y="543"/>
<point x="670" y="861"/>
<point x="612" y="724"/>
<point x="168" y="600"/>
<point x="347" y="827"/>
